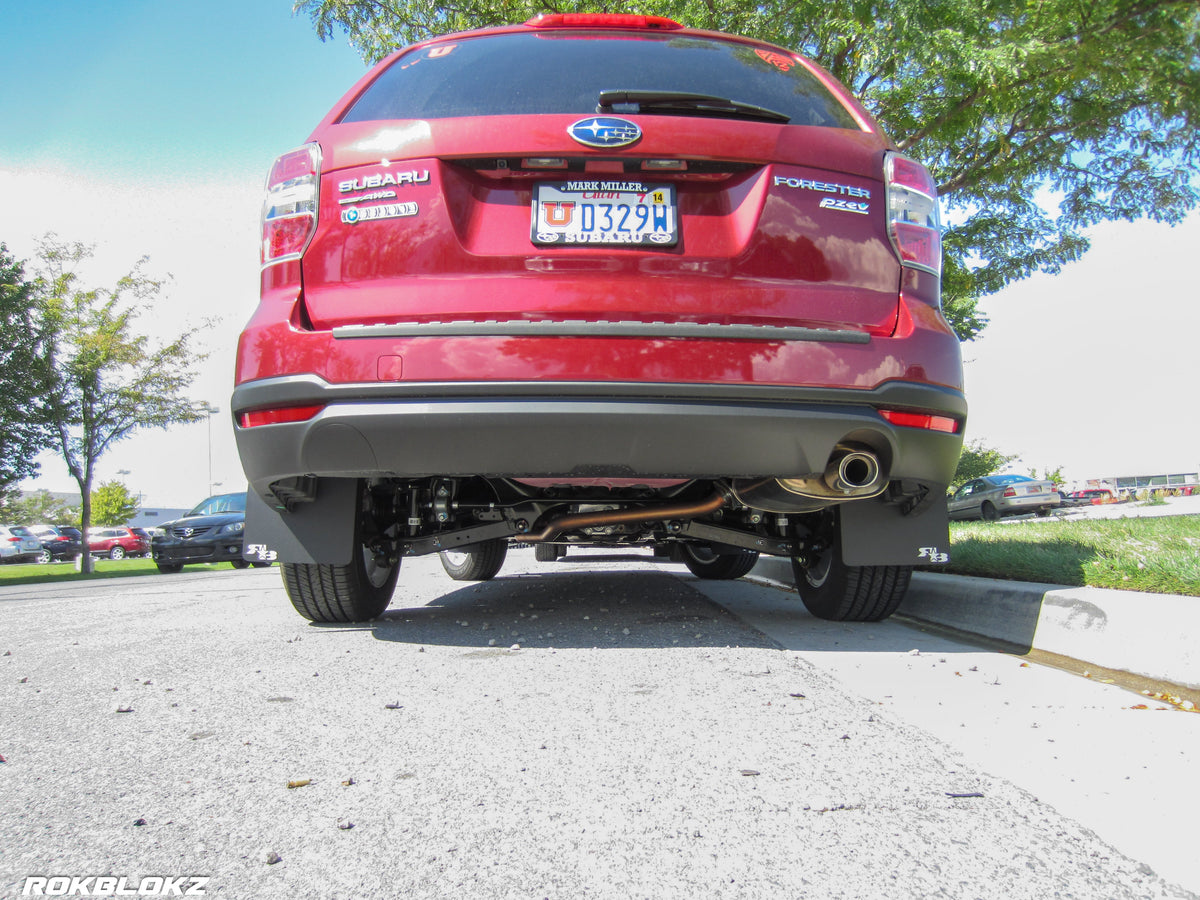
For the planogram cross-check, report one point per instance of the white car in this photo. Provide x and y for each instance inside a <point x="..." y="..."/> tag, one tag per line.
<point x="18" y="544"/>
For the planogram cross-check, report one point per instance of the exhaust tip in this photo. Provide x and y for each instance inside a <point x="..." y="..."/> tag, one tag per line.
<point x="854" y="472"/>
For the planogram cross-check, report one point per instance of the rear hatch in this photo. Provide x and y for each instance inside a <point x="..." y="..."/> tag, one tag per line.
<point x="549" y="175"/>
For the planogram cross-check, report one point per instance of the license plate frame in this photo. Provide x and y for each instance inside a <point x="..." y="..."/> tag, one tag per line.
<point x="604" y="214"/>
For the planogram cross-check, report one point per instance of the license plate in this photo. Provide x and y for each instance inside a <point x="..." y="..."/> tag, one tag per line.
<point x="609" y="213"/>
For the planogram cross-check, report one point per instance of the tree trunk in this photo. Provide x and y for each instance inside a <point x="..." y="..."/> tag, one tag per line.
<point x="86" y="565"/>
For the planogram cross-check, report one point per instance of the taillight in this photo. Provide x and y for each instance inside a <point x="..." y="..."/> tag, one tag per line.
<point x="289" y="216"/>
<point x="278" y="415"/>
<point x="602" y="20"/>
<point x="1010" y="492"/>
<point x="920" y="420"/>
<point x="914" y="220"/>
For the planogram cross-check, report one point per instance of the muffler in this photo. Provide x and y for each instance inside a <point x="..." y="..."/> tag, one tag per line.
<point x="853" y="472"/>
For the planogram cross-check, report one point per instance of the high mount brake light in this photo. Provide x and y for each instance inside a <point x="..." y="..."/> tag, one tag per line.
<point x="602" y="20"/>
<point x="914" y="220"/>
<point x="289" y="216"/>
<point x="920" y="420"/>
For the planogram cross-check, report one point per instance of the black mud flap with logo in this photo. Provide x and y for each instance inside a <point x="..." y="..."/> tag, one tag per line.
<point x="320" y="530"/>
<point x="880" y="534"/>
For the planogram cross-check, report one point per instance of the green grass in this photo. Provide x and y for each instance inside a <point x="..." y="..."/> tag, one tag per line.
<point x="36" y="573"/>
<point x="1158" y="555"/>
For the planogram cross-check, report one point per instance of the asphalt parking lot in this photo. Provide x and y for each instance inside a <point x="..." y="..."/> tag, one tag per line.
<point x="650" y="736"/>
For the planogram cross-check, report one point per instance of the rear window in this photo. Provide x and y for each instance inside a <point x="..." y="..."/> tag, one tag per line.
<point x="1010" y="479"/>
<point x="564" y="72"/>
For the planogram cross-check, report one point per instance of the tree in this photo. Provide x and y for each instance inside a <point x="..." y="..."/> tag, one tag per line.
<point x="35" y="509"/>
<point x="1092" y="108"/>
<point x="1055" y="476"/>
<point x="22" y="434"/>
<point x="977" y="461"/>
<point x="102" y="380"/>
<point x="112" y="504"/>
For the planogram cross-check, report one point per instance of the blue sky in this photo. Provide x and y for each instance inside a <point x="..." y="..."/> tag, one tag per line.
<point x="146" y="127"/>
<point x="130" y="86"/>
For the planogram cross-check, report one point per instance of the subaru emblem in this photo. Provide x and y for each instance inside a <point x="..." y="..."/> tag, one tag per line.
<point x="605" y="131"/>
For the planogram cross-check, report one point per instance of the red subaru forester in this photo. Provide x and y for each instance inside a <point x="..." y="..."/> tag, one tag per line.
<point x="598" y="280"/>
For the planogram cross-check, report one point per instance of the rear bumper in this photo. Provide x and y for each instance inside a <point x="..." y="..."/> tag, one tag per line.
<point x="585" y="429"/>
<point x="1025" y="504"/>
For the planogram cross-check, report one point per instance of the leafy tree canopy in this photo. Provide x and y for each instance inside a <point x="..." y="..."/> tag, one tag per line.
<point x="103" y="380"/>
<point x="977" y="461"/>
<point x="37" y="508"/>
<point x="112" y="504"/>
<point x="1038" y="119"/>
<point x="22" y="435"/>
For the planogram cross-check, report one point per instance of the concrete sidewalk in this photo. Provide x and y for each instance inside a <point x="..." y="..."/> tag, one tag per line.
<point x="1153" y="635"/>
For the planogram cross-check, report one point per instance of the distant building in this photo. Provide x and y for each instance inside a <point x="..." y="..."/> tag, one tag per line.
<point x="149" y="517"/>
<point x="1189" y="482"/>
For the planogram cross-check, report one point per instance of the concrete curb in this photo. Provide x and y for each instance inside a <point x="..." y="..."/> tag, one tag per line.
<point x="1154" y="635"/>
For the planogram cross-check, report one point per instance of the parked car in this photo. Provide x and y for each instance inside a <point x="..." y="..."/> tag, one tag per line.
<point x="210" y="533"/>
<point x="18" y="544"/>
<point x="57" y="542"/>
<point x="118" y="542"/>
<point x="598" y="279"/>
<point x="1093" y="496"/>
<point x="994" y="496"/>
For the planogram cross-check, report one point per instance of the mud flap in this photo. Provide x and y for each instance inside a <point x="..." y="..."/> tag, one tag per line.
<point x="878" y="534"/>
<point x="316" y="531"/>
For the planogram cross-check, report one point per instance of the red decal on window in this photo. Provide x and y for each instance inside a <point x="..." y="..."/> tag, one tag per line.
<point x="446" y="50"/>
<point x="778" y="60"/>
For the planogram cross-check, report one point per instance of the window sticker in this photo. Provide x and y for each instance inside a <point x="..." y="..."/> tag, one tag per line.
<point x="778" y="60"/>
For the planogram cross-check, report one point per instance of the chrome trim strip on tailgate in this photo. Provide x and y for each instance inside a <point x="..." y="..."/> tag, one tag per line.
<point x="591" y="329"/>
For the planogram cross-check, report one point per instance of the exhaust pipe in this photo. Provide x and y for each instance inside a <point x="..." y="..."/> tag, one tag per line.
<point x="627" y="517"/>
<point x="853" y="472"/>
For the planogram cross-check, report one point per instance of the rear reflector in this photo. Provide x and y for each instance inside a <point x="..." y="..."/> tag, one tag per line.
<point x="920" y="420"/>
<point x="914" y="220"/>
<point x="289" y="216"/>
<point x="278" y="416"/>
<point x="601" y="20"/>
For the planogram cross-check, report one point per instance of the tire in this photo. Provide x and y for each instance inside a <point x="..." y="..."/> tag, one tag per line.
<point x="545" y="552"/>
<point x="117" y="552"/>
<point x="239" y="563"/>
<point x="988" y="512"/>
<point x="482" y="562"/>
<point x="703" y="562"/>
<point x="834" y="591"/>
<point x="170" y="568"/>
<point x="358" y="591"/>
<point x="44" y="557"/>
<point x="261" y="565"/>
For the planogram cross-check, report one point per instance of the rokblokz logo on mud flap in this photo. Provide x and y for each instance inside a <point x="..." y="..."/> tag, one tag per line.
<point x="115" y="886"/>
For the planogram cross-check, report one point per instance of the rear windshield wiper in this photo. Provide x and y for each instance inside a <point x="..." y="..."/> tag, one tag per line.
<point x="685" y="104"/>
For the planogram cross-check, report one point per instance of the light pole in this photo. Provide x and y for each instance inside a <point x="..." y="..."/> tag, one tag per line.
<point x="210" y="409"/>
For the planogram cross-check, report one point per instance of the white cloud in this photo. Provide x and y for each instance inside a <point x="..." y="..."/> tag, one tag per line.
<point x="1094" y="369"/>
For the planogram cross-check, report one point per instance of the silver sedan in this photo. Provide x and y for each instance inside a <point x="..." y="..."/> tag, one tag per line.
<point x="993" y="496"/>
